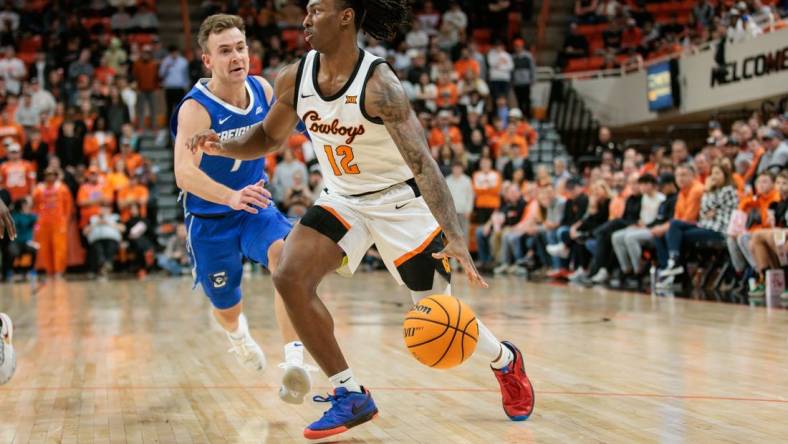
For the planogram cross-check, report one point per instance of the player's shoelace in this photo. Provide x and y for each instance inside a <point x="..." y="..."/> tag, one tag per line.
<point x="333" y="399"/>
<point x="240" y="348"/>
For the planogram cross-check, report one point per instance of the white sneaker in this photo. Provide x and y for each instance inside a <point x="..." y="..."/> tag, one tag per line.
<point x="519" y="270"/>
<point x="246" y="350"/>
<point x="7" y="355"/>
<point x="502" y="269"/>
<point x="601" y="276"/>
<point x="665" y="283"/>
<point x="672" y="269"/>
<point x="296" y="382"/>
<point x="559" y="250"/>
<point x="577" y="275"/>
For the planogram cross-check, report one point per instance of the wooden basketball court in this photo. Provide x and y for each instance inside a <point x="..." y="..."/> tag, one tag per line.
<point x="142" y="362"/>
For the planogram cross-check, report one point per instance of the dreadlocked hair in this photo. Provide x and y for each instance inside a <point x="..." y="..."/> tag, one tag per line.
<point x="380" y="19"/>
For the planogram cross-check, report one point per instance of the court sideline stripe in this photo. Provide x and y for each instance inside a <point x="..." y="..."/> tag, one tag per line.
<point x="413" y="389"/>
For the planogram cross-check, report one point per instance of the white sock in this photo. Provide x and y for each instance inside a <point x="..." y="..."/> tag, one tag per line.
<point x="487" y="346"/>
<point x="294" y="353"/>
<point x="345" y="379"/>
<point x="504" y="359"/>
<point x="242" y="330"/>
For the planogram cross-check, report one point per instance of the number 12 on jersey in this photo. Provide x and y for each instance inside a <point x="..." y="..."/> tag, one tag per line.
<point x="345" y="154"/>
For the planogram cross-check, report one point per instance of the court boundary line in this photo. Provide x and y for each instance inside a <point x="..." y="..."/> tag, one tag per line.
<point x="698" y="397"/>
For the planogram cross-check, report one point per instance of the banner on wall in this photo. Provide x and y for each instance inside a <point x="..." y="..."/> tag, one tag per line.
<point x="750" y="67"/>
<point x="755" y="69"/>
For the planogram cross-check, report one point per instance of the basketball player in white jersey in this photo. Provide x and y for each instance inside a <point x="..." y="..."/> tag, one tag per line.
<point x="381" y="186"/>
<point x="227" y="210"/>
<point x="7" y="355"/>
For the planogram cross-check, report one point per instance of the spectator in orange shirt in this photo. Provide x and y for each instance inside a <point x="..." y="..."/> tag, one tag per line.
<point x="134" y="194"/>
<point x="624" y="186"/>
<point x="447" y="92"/>
<point x="757" y="208"/>
<point x="117" y="179"/>
<point x="654" y="160"/>
<point x="465" y="63"/>
<point x="52" y="203"/>
<point x="91" y="196"/>
<point x="632" y="36"/>
<point x="146" y="74"/>
<point x="524" y="129"/>
<point x="100" y="145"/>
<point x="687" y="207"/>
<point x="690" y="193"/>
<point x="510" y="138"/>
<point x="445" y="131"/>
<point x="51" y="125"/>
<point x="756" y="151"/>
<point x="104" y="73"/>
<point x="17" y="176"/>
<point x="493" y="132"/>
<point x="487" y="188"/>
<point x="12" y="130"/>
<point x="133" y="161"/>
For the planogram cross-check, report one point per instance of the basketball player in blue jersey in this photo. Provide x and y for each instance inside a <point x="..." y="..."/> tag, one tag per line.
<point x="7" y="355"/>
<point x="228" y="213"/>
<point x="382" y="186"/>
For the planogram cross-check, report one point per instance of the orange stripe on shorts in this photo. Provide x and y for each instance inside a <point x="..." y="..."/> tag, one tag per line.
<point x="405" y="257"/>
<point x="335" y="213"/>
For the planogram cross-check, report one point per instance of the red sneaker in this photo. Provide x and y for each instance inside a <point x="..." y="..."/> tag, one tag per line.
<point x="562" y="273"/>
<point x="517" y="392"/>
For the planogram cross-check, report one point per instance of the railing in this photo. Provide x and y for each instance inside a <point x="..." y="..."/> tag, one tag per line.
<point x="766" y="25"/>
<point x="572" y="119"/>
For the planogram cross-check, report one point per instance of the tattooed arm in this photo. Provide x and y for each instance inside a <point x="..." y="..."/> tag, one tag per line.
<point x="386" y="99"/>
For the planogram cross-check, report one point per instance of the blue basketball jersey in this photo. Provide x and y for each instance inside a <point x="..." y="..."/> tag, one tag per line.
<point x="228" y="121"/>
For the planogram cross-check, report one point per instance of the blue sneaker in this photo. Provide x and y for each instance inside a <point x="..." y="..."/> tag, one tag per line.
<point x="348" y="409"/>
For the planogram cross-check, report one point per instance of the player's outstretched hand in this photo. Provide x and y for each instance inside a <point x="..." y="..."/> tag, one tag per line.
<point x="207" y="141"/>
<point x="6" y="222"/>
<point x="248" y="198"/>
<point x="458" y="250"/>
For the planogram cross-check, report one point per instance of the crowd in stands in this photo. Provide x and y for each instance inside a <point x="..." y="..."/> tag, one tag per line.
<point x="613" y="34"/>
<point x="610" y="223"/>
<point x="75" y="109"/>
<point x="79" y="87"/>
<point x="606" y="221"/>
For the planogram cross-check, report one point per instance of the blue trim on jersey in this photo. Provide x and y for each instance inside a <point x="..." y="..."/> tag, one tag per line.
<point x="228" y="122"/>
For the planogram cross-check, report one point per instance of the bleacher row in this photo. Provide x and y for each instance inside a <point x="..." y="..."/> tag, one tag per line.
<point x="664" y="14"/>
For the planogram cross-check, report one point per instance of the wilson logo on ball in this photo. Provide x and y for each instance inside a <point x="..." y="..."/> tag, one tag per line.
<point x="440" y="331"/>
<point x="422" y="308"/>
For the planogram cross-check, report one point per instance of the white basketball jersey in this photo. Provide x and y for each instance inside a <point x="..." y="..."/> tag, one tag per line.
<point x="355" y="151"/>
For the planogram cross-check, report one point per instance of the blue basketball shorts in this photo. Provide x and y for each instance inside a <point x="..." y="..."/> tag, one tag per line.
<point x="218" y="245"/>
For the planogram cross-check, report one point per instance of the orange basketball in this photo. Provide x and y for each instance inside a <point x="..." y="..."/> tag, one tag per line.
<point x="441" y="331"/>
